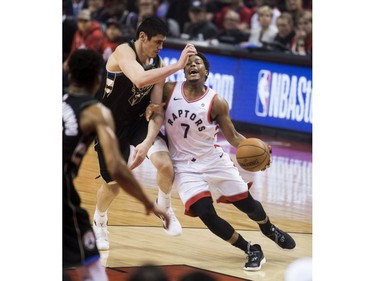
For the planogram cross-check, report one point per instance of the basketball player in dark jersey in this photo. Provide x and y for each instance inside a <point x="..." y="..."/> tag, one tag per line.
<point x="135" y="77"/>
<point x="203" y="170"/>
<point x="83" y="119"/>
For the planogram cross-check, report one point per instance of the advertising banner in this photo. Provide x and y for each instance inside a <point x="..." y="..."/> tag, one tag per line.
<point x="262" y="93"/>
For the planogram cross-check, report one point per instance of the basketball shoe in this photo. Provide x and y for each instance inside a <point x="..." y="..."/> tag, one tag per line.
<point x="101" y="231"/>
<point x="175" y="228"/>
<point x="255" y="258"/>
<point x="281" y="238"/>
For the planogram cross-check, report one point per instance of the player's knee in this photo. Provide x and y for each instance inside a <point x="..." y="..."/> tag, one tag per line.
<point x="204" y="209"/>
<point x="163" y="164"/>
<point x="113" y="188"/>
<point x="165" y="168"/>
<point x="253" y="208"/>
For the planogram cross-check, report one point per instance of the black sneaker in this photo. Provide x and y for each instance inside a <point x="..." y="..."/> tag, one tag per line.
<point x="281" y="238"/>
<point x="255" y="259"/>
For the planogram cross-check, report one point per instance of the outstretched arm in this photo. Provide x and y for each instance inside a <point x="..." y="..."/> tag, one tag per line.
<point x="126" y="59"/>
<point x="98" y="118"/>
<point x="154" y="126"/>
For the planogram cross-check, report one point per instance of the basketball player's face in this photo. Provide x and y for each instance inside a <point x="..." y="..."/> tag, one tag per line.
<point x="154" y="45"/>
<point x="195" y="69"/>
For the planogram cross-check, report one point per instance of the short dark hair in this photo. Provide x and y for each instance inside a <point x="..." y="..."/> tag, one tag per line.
<point x="205" y="60"/>
<point x="152" y="26"/>
<point x="84" y="67"/>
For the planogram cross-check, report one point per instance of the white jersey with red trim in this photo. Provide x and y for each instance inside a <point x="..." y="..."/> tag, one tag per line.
<point x="191" y="133"/>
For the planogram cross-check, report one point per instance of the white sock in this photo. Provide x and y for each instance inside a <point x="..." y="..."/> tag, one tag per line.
<point x="164" y="200"/>
<point x="100" y="217"/>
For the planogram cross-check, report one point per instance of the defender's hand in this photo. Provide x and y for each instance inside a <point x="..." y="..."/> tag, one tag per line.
<point x="270" y="161"/>
<point x="151" y="108"/>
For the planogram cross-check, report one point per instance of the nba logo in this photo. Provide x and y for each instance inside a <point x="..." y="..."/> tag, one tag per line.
<point x="263" y="93"/>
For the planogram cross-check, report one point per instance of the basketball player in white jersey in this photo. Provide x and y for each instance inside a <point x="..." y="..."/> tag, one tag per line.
<point x="203" y="171"/>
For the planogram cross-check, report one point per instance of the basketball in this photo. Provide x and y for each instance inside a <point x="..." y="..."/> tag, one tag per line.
<point x="253" y="155"/>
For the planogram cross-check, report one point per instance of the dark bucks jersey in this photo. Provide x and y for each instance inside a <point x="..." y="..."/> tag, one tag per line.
<point x="125" y="100"/>
<point x="75" y="144"/>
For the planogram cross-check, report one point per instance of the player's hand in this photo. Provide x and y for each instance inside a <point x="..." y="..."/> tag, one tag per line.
<point x="140" y="152"/>
<point x="270" y="161"/>
<point x="153" y="108"/>
<point x="185" y="54"/>
<point x="158" y="212"/>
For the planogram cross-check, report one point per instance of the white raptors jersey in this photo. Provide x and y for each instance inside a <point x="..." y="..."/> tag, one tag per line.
<point x="191" y="133"/>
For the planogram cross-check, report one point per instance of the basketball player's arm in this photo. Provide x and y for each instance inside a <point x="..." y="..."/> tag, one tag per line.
<point x="167" y="90"/>
<point x="127" y="62"/>
<point x="154" y="126"/>
<point x="220" y="113"/>
<point x="97" y="118"/>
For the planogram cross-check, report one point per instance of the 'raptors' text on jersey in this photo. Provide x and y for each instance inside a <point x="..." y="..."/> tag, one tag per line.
<point x="188" y="125"/>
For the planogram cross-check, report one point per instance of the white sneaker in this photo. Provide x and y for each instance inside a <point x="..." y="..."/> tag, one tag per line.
<point x="175" y="228"/>
<point x="101" y="234"/>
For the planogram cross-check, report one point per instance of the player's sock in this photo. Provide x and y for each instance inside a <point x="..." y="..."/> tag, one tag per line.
<point x="265" y="226"/>
<point x="100" y="217"/>
<point x="164" y="200"/>
<point x="241" y="243"/>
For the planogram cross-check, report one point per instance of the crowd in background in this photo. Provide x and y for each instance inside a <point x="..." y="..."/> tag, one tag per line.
<point x="278" y="25"/>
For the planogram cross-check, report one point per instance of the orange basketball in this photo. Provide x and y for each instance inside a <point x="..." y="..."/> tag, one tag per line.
<point x="253" y="155"/>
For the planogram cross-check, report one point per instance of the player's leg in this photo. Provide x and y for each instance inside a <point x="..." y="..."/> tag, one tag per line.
<point x="232" y="188"/>
<point x="159" y="156"/>
<point x="107" y="192"/>
<point x="255" y="211"/>
<point x="205" y="210"/>
<point x="79" y="247"/>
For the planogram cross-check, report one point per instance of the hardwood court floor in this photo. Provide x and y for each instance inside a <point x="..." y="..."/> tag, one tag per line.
<point x="285" y="191"/>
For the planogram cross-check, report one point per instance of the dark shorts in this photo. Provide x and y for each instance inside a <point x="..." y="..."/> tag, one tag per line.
<point x="79" y="243"/>
<point x="131" y="134"/>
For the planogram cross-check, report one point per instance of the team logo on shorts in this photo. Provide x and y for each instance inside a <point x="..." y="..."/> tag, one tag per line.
<point x="263" y="93"/>
<point x="89" y="240"/>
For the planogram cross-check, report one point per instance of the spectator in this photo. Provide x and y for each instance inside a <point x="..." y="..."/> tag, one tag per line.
<point x="266" y="32"/>
<point x="232" y="34"/>
<point x="302" y="43"/>
<point x="178" y="10"/>
<point x="114" y="37"/>
<point x="117" y="9"/>
<point x="259" y="3"/>
<point x="238" y="6"/>
<point x="199" y="28"/>
<point x="147" y="8"/>
<point x="73" y="7"/>
<point x="212" y="8"/>
<point x="97" y="10"/>
<point x="89" y="35"/>
<point x="295" y="8"/>
<point x="286" y="33"/>
<point x="162" y="8"/>
<point x="306" y="4"/>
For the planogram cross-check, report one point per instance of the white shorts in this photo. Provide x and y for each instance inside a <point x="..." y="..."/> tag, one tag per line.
<point x="214" y="175"/>
<point x="158" y="146"/>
